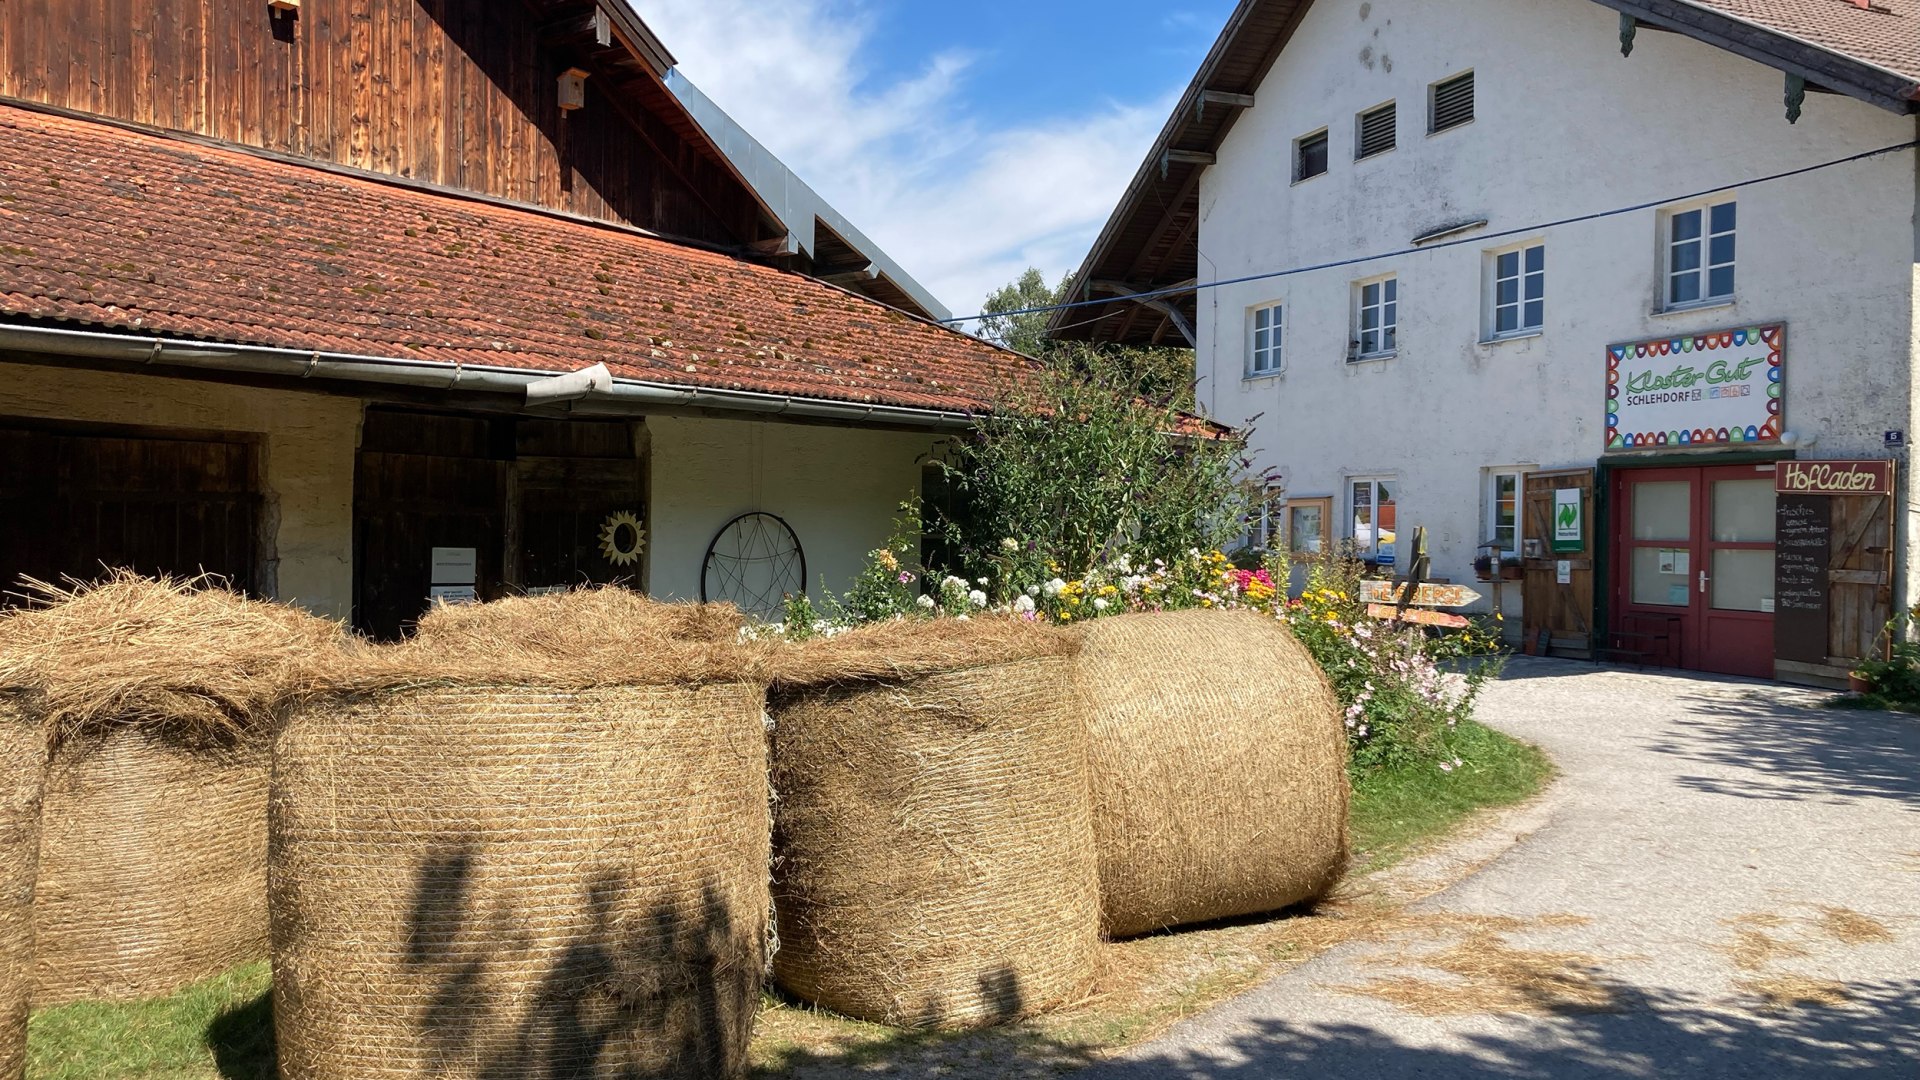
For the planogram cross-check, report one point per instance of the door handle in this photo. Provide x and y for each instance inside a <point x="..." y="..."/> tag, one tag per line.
<point x="1703" y="583"/>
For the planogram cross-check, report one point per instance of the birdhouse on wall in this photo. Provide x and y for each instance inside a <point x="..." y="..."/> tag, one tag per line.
<point x="573" y="90"/>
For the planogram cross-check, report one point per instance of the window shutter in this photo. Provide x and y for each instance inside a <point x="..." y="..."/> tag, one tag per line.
<point x="1377" y="130"/>
<point x="1453" y="103"/>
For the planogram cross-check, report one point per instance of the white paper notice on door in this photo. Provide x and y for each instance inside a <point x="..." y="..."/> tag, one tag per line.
<point x="455" y="594"/>
<point x="455" y="566"/>
<point x="1675" y="562"/>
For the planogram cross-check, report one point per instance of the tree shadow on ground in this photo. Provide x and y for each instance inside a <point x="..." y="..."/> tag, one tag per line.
<point x="1794" y="752"/>
<point x="1661" y="1035"/>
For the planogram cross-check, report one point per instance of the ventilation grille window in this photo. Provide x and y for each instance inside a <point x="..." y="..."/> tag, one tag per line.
<point x="1377" y="129"/>
<point x="1453" y="103"/>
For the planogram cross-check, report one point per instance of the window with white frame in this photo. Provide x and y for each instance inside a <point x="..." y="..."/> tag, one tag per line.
<point x="1700" y="250"/>
<point x="1504" y="488"/>
<point x="1264" y="521"/>
<point x="1450" y="103"/>
<point x="1518" y="300"/>
<point x="1266" y="329"/>
<point x="1376" y="318"/>
<point x="1376" y="131"/>
<point x="1373" y="522"/>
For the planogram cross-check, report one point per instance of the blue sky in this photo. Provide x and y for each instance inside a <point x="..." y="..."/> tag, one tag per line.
<point x="970" y="140"/>
<point x="1059" y="56"/>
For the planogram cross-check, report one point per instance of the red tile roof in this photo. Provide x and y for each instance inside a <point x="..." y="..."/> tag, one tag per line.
<point x="114" y="228"/>
<point x="1884" y="33"/>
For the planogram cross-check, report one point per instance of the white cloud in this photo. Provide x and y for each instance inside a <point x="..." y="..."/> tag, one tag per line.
<point x="963" y="207"/>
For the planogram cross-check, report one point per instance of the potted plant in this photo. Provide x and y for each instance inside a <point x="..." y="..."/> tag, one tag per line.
<point x="1483" y="567"/>
<point x="1859" y="682"/>
<point x="1512" y="569"/>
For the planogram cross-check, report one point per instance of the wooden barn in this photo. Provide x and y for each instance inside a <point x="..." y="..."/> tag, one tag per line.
<point x="362" y="302"/>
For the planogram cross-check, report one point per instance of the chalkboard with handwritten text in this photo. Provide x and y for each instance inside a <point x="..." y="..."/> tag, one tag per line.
<point x="1802" y="585"/>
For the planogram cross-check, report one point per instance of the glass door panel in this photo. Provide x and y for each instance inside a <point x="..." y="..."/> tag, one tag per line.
<point x="1743" y="511"/>
<point x="1743" y="580"/>
<point x="1663" y="511"/>
<point x="1662" y="577"/>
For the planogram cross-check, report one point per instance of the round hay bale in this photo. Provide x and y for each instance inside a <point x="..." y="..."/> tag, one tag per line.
<point x="158" y="699"/>
<point x="1219" y="766"/>
<point x="934" y="862"/>
<point x="22" y="766"/>
<point x="486" y="862"/>
<point x="153" y="867"/>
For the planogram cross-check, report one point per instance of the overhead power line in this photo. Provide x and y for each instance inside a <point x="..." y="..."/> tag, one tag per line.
<point x="1182" y="290"/>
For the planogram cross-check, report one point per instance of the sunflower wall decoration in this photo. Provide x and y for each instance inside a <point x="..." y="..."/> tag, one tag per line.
<point x="622" y="538"/>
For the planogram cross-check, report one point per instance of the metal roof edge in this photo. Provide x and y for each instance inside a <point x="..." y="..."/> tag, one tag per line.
<point x="790" y="199"/>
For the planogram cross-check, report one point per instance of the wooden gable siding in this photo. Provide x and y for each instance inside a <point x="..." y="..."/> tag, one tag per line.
<point x="459" y="93"/>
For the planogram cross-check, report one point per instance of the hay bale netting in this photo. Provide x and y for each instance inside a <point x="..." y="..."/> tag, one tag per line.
<point x="1219" y="765"/>
<point x="531" y="844"/>
<point x="158" y="701"/>
<point x="23" y="758"/>
<point x="933" y="845"/>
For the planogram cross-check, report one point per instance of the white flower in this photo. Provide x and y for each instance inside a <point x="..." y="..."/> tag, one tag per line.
<point x="1132" y="584"/>
<point x="1023" y="605"/>
<point x="925" y="602"/>
<point x="977" y="598"/>
<point x="982" y="582"/>
<point x="1099" y="603"/>
<point x="1010" y="545"/>
<point x="1033" y="591"/>
<point x="1056" y="587"/>
<point x="1123" y="565"/>
<point x="951" y="583"/>
<point x="963" y="618"/>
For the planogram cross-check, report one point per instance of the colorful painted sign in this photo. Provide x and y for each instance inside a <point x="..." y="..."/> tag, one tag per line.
<point x="1388" y="592"/>
<point x="1834" y="478"/>
<point x="1704" y="390"/>
<point x="1569" y="520"/>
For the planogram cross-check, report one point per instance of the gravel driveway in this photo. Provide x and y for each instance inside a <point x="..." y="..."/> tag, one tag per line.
<point x="1725" y="882"/>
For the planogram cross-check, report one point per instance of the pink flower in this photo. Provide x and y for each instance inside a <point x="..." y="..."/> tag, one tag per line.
<point x="906" y="578"/>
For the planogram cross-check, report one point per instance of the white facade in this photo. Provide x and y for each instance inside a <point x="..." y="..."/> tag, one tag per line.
<point x="1564" y="127"/>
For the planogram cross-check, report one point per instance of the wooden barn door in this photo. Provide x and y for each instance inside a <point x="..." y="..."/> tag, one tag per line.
<point x="1861" y="578"/>
<point x="425" y="481"/>
<point x="78" y="500"/>
<point x="1559" y="615"/>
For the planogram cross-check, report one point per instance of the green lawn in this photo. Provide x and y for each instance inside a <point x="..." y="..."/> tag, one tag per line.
<point x="1397" y="811"/>
<point x="222" y="1029"/>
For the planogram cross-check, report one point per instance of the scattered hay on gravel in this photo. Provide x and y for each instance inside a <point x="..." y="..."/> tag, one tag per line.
<point x="1851" y="927"/>
<point x="1490" y="976"/>
<point x="1756" y="950"/>
<point x="1797" y="991"/>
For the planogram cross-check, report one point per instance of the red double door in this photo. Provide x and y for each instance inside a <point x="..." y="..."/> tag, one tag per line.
<point x="1693" y="565"/>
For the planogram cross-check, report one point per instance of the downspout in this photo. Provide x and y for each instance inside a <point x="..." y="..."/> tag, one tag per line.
<point x="607" y="397"/>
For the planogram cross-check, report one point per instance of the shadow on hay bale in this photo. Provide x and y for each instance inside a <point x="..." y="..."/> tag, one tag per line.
<point x="23" y="758"/>
<point x="158" y="699"/>
<point x="934" y="858"/>
<point x="541" y="851"/>
<point x="1219" y="765"/>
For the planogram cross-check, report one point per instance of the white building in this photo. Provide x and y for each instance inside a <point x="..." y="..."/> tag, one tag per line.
<point x="1442" y="225"/>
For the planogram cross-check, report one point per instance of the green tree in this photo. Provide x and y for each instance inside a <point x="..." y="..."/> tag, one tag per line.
<point x="1023" y="333"/>
<point x="1080" y="463"/>
<point x="1163" y="371"/>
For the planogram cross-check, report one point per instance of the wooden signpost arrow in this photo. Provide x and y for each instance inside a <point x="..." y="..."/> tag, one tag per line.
<point x="1402" y="600"/>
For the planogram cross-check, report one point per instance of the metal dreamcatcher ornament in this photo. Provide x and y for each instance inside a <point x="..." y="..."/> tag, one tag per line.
<point x="623" y="539"/>
<point x="754" y="563"/>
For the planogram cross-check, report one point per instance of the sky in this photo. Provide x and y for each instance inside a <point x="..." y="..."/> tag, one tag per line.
<point x="970" y="140"/>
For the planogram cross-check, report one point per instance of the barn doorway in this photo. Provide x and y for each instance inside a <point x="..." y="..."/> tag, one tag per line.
<point x="80" y="499"/>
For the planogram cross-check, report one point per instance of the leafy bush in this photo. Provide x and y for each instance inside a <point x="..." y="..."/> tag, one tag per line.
<point x="1401" y="703"/>
<point x="1083" y="461"/>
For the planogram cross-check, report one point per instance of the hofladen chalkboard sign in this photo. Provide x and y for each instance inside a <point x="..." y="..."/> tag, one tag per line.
<point x="1802" y="584"/>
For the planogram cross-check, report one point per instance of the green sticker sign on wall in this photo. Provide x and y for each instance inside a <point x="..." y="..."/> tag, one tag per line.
<point x="1569" y="520"/>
